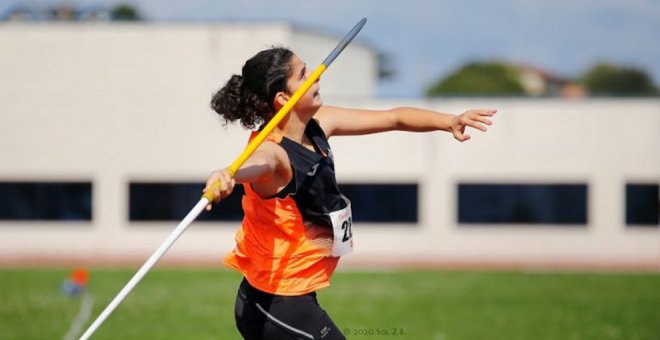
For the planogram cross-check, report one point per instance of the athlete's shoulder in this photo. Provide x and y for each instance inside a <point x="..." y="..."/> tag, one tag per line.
<point x="273" y="149"/>
<point x="326" y="117"/>
<point x="275" y="155"/>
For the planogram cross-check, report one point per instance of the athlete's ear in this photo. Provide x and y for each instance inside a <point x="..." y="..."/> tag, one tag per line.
<point x="280" y="99"/>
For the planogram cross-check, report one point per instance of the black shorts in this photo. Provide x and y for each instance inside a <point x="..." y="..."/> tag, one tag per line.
<point x="260" y="315"/>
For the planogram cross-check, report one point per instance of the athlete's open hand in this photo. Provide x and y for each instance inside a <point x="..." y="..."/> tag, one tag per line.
<point x="473" y="118"/>
<point x="219" y="191"/>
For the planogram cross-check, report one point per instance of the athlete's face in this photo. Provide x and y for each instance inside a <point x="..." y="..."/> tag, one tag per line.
<point x="311" y="100"/>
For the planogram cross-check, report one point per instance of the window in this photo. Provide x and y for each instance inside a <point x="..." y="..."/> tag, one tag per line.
<point x="173" y="201"/>
<point x="46" y="201"/>
<point x="642" y="204"/>
<point x="377" y="203"/>
<point x="522" y="203"/>
<point x="382" y="203"/>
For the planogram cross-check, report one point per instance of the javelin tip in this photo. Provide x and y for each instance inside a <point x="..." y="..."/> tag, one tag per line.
<point x="344" y="42"/>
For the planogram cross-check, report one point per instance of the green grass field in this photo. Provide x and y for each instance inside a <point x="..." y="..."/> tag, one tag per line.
<point x="198" y="304"/>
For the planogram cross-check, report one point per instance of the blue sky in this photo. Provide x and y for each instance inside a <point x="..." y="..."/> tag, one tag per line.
<point x="426" y="39"/>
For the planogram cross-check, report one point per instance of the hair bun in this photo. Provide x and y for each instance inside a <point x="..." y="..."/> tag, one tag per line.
<point x="236" y="80"/>
<point x="249" y="97"/>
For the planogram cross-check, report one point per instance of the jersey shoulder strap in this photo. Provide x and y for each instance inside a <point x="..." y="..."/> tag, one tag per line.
<point x="275" y="137"/>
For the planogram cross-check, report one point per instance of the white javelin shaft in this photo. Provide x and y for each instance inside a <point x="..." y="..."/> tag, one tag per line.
<point x="192" y="215"/>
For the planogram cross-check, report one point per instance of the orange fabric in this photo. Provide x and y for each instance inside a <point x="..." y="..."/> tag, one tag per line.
<point x="276" y="252"/>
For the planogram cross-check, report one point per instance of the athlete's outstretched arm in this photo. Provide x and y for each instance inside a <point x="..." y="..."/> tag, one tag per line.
<point x="337" y="121"/>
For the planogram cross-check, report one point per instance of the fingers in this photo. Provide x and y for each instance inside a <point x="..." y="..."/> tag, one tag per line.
<point x="475" y="124"/>
<point x="216" y="191"/>
<point x="480" y="115"/>
<point x="482" y="119"/>
<point x="222" y="185"/>
<point x="460" y="136"/>
<point x="486" y="113"/>
<point x="227" y="184"/>
<point x="477" y="119"/>
<point x="467" y="120"/>
<point x="489" y="112"/>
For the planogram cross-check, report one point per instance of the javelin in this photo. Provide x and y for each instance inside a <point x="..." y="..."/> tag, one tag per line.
<point x="232" y="169"/>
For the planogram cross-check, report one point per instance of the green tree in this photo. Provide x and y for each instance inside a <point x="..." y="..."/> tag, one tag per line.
<point x="609" y="79"/>
<point x="490" y="78"/>
<point x="125" y="13"/>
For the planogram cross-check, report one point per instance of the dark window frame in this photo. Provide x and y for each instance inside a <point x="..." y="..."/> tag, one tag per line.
<point x="187" y="193"/>
<point x="143" y="214"/>
<point x="520" y="212"/>
<point x="654" y="191"/>
<point x="358" y="210"/>
<point x="47" y="200"/>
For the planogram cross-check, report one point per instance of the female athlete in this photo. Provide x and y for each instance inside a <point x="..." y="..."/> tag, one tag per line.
<point x="296" y="219"/>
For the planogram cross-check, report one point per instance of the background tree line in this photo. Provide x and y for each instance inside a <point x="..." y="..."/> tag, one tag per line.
<point x="500" y="78"/>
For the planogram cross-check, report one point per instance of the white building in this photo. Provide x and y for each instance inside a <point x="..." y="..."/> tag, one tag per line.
<point x="119" y="106"/>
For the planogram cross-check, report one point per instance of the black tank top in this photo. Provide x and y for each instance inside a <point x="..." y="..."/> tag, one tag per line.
<point x="313" y="185"/>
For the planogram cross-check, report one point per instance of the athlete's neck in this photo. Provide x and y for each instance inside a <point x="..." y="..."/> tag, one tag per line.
<point x="293" y="127"/>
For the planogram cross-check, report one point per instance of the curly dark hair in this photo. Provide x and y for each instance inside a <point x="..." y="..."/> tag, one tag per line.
<point x="249" y="97"/>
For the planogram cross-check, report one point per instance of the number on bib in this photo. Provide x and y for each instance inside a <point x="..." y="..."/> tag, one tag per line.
<point x="347" y="227"/>
<point x="342" y="228"/>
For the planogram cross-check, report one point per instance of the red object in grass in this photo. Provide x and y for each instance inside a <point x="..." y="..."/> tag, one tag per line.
<point x="80" y="277"/>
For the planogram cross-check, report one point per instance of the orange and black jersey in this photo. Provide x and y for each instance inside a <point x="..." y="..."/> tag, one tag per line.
<point x="285" y="243"/>
<point x="314" y="185"/>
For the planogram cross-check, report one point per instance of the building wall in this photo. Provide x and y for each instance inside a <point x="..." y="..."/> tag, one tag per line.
<point x="118" y="104"/>
<point x="532" y="141"/>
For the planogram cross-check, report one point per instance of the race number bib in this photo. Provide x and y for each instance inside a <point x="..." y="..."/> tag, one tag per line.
<point x="342" y="229"/>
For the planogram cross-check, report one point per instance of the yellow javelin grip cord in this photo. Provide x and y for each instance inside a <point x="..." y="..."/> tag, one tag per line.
<point x="254" y="144"/>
